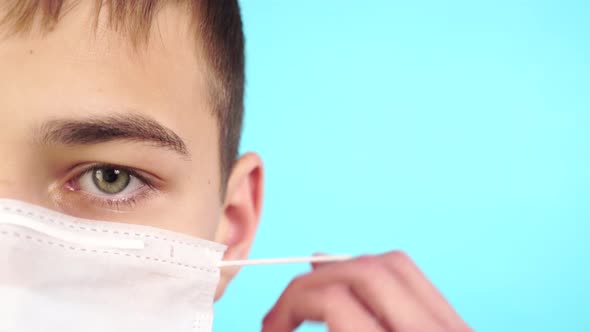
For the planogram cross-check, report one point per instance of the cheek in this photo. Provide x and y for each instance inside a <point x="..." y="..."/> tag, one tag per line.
<point x="193" y="216"/>
<point x="199" y="193"/>
<point x="168" y="212"/>
<point x="194" y="207"/>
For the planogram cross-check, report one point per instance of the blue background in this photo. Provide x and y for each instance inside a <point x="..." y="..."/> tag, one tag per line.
<point x="458" y="131"/>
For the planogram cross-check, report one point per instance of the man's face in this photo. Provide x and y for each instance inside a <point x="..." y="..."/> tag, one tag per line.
<point x="56" y="88"/>
<point x="95" y="128"/>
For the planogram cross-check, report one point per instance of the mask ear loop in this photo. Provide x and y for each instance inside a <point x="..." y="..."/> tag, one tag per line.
<point x="311" y="259"/>
<point x="71" y="237"/>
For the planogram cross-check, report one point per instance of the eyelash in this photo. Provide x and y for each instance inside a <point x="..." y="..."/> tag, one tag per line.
<point x="112" y="203"/>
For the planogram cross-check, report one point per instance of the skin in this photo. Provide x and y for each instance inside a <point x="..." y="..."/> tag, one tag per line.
<point x="74" y="74"/>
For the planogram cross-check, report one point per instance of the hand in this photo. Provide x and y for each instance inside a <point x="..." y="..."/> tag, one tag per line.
<point x="384" y="293"/>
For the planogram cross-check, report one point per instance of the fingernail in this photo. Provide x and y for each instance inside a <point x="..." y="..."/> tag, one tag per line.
<point x="315" y="265"/>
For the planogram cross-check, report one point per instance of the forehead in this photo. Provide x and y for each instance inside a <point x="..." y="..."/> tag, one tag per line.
<point x="79" y="68"/>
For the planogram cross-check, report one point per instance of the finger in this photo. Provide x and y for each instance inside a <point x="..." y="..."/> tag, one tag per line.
<point x="373" y="285"/>
<point x="387" y="296"/>
<point x="402" y="265"/>
<point x="335" y="305"/>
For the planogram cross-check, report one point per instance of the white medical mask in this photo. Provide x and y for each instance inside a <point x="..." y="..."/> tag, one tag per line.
<point x="59" y="273"/>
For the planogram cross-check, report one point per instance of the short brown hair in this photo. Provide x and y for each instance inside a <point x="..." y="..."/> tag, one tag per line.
<point x="216" y="22"/>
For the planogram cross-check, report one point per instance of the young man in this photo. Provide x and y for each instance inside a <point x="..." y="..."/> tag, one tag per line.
<point x="130" y="111"/>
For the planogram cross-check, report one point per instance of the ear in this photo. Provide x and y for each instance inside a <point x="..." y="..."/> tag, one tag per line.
<point x="241" y="213"/>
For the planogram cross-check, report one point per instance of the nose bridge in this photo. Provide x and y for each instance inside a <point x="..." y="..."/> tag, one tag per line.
<point x="12" y="184"/>
<point x="16" y="180"/>
<point x="20" y="165"/>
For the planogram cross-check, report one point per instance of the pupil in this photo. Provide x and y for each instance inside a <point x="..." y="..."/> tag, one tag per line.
<point x="110" y="175"/>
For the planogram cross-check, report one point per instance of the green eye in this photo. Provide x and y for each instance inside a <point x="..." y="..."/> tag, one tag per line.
<point x="110" y="180"/>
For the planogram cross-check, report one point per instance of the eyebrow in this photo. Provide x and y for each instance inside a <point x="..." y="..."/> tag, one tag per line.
<point x="101" y="129"/>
